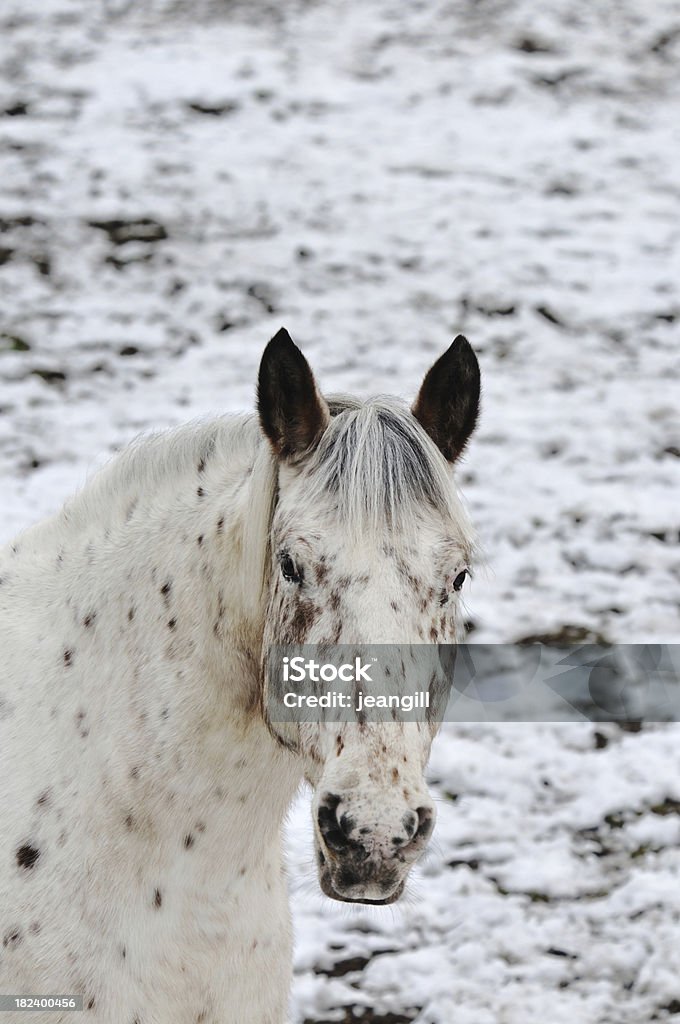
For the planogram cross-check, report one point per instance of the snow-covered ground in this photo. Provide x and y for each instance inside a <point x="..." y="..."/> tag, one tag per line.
<point x="178" y="179"/>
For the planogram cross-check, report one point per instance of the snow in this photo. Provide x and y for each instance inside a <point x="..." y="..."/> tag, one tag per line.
<point x="378" y="177"/>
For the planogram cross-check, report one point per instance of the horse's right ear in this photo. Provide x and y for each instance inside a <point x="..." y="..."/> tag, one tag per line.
<point x="293" y="415"/>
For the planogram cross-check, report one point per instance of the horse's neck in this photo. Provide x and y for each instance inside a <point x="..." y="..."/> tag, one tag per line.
<point x="166" y="654"/>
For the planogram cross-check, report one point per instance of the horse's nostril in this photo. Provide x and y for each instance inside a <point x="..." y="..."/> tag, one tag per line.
<point x="425" y="823"/>
<point x="417" y="827"/>
<point x="410" y="821"/>
<point x="347" y="824"/>
<point x="334" y="832"/>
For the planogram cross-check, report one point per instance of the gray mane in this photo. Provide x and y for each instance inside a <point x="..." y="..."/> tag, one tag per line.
<point x="381" y="467"/>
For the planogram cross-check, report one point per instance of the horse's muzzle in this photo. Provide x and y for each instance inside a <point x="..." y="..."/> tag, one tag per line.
<point x="368" y="863"/>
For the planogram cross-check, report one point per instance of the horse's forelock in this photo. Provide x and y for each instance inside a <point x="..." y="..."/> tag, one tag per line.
<point x="380" y="468"/>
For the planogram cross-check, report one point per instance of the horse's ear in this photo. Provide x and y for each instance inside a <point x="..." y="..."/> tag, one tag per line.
<point x="293" y="415"/>
<point x="448" y="401"/>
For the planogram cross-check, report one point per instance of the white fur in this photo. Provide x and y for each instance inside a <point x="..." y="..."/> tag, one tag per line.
<point x="146" y="724"/>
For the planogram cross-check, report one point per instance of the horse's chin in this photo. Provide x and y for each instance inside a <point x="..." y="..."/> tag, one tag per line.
<point x="329" y="890"/>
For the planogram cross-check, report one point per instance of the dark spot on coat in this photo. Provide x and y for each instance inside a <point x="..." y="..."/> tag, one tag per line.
<point x="303" y="618"/>
<point x="68" y="657"/>
<point x="320" y="571"/>
<point x="157" y="898"/>
<point x="166" y="588"/>
<point x="201" y="466"/>
<point x="89" y="619"/>
<point x="131" y="614"/>
<point x="199" y="539"/>
<point x="129" y="822"/>
<point x="123" y="952"/>
<point x="220" y="524"/>
<point x="395" y="775"/>
<point x="90" y="1003"/>
<point x="200" y="492"/>
<point x="339" y="745"/>
<point x="188" y="841"/>
<point x="44" y="798"/>
<point x="334" y="600"/>
<point x="12" y="938"/>
<point x="134" y="772"/>
<point x="27" y="855"/>
<point x="172" y="623"/>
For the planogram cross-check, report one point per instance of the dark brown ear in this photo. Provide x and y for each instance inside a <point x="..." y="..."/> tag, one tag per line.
<point x="293" y="415"/>
<point x="448" y="401"/>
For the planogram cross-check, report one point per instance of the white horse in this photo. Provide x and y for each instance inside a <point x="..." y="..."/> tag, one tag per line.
<point x="143" y="787"/>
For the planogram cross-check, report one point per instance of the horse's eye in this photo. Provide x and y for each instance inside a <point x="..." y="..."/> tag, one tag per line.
<point x="460" y="579"/>
<point x="289" y="570"/>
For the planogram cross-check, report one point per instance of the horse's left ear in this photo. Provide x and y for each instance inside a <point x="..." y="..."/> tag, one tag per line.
<point x="293" y="415"/>
<point x="448" y="401"/>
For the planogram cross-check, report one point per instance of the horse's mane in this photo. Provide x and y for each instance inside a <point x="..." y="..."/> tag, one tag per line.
<point x="381" y="467"/>
<point x="153" y="461"/>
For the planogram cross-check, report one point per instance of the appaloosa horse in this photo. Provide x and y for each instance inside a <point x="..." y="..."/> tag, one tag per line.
<point x="143" y="785"/>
